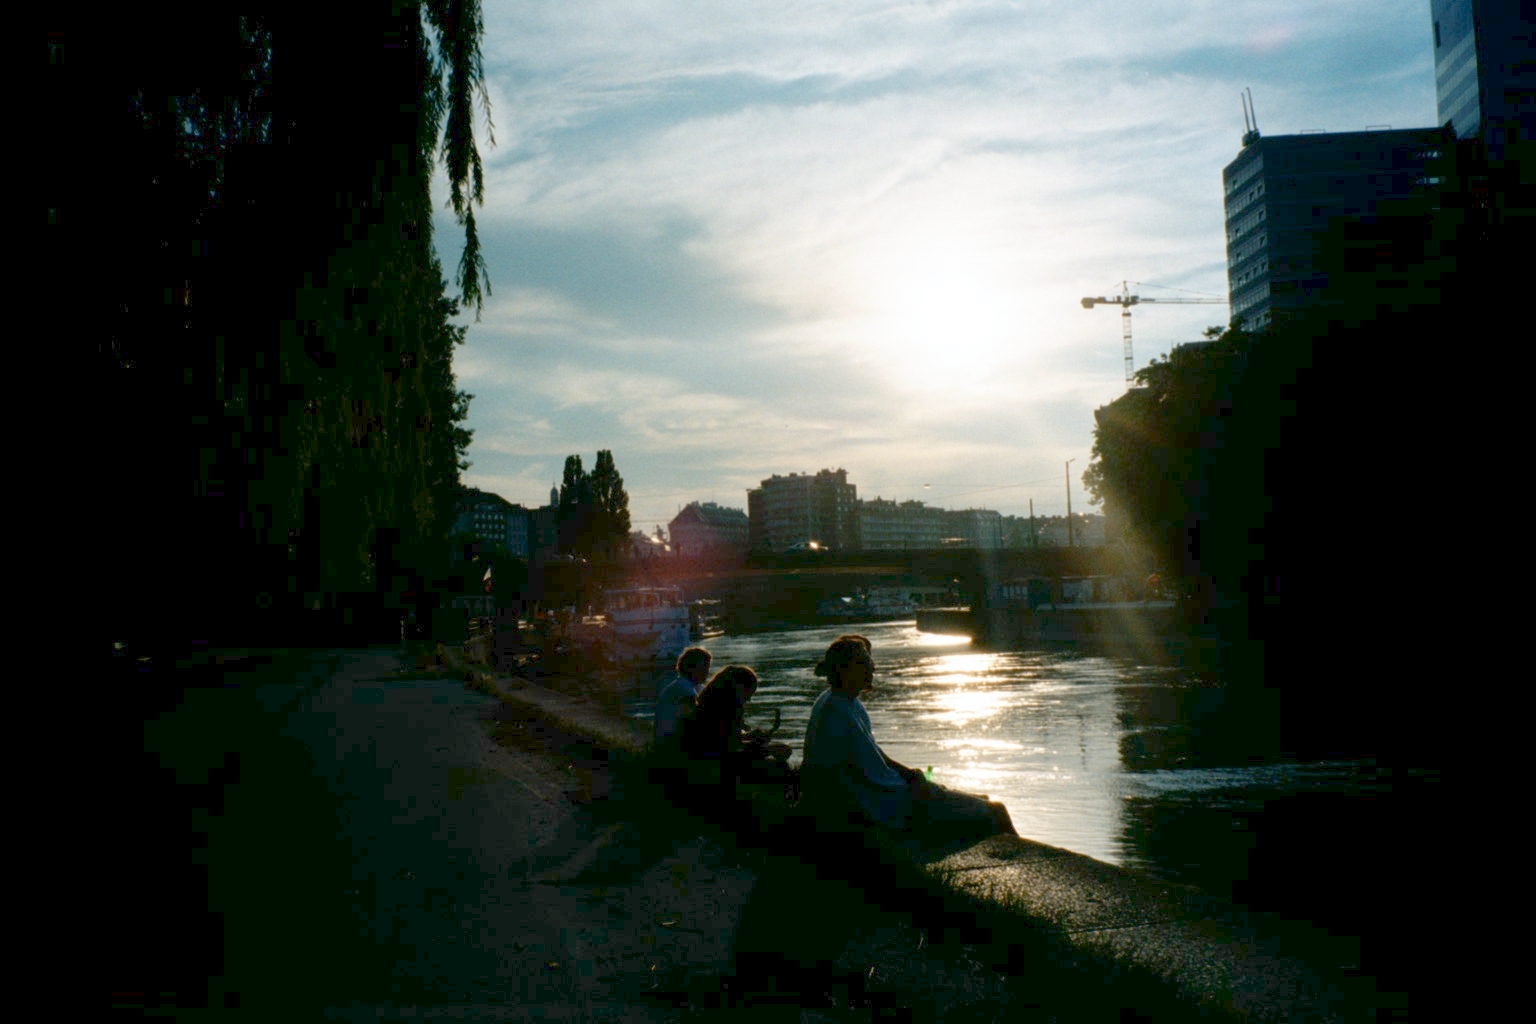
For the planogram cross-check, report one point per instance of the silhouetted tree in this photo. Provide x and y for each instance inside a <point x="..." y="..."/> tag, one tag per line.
<point x="274" y="346"/>
<point x="1153" y="446"/>
<point x="575" y="511"/>
<point x="593" y="510"/>
<point x="610" y="520"/>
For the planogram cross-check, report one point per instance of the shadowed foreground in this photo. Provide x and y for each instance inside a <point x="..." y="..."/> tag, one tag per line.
<point x="376" y="854"/>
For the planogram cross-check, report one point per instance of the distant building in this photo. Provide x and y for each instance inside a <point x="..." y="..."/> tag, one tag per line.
<point x="912" y="526"/>
<point x="493" y="521"/>
<point x="799" y="509"/>
<point x="643" y="545"/>
<point x="1051" y="531"/>
<point x="1484" y="72"/>
<point x="977" y="528"/>
<point x="1287" y="195"/>
<point x="704" y="528"/>
<point x="899" y="526"/>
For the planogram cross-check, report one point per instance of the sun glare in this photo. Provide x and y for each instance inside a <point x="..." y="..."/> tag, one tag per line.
<point x="942" y="640"/>
<point x="942" y="315"/>
<point x="961" y="707"/>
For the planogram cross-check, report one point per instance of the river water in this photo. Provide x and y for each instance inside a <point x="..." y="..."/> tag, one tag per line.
<point x="1088" y="752"/>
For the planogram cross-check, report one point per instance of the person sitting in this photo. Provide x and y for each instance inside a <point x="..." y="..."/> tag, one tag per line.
<point x="675" y="701"/>
<point x="674" y="707"/>
<point x="721" y="751"/>
<point x="848" y="780"/>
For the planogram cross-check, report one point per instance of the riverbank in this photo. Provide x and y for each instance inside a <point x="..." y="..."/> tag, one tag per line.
<point x="1045" y="927"/>
<point x="673" y="907"/>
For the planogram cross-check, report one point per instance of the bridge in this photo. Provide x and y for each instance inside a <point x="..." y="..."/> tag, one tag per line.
<point x="769" y="590"/>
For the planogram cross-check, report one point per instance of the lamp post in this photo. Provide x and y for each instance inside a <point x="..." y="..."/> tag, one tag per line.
<point x="1067" y="470"/>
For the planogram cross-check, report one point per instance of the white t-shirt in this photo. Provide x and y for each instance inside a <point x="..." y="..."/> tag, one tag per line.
<point x="840" y="745"/>
<point x="672" y="704"/>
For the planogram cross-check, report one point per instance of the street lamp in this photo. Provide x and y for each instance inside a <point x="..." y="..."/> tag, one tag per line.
<point x="1067" y="469"/>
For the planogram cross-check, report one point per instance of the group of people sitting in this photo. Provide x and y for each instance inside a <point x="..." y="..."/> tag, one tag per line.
<point x="845" y="781"/>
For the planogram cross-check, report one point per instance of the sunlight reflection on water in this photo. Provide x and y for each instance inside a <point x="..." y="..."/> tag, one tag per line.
<point x="1039" y="730"/>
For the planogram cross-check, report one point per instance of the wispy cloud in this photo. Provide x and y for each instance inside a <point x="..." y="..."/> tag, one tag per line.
<point x="733" y="240"/>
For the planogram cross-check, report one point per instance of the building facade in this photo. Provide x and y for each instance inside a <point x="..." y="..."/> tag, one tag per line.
<point x="1288" y="194"/>
<point x="977" y="528"/>
<point x="900" y="526"/>
<point x="703" y="529"/>
<point x="493" y="521"/>
<point x="799" y="509"/>
<point x="1484" y="70"/>
<point x="912" y="526"/>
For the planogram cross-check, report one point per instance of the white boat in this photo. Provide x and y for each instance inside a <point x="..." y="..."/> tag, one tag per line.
<point x="647" y="623"/>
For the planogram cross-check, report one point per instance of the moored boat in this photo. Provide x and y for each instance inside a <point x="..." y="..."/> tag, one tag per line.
<point x="1061" y="609"/>
<point x="881" y="604"/>
<point x="647" y="623"/>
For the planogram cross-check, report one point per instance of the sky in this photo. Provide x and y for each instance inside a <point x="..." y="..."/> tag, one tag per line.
<point x="727" y="241"/>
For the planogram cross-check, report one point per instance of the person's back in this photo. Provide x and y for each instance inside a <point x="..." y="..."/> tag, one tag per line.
<point x="713" y="731"/>
<point x="673" y="706"/>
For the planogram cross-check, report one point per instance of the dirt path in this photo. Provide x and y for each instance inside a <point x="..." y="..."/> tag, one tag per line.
<point x="376" y="855"/>
<point x="380" y="854"/>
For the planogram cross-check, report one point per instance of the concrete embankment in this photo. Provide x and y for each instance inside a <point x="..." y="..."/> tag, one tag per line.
<point x="1085" y="940"/>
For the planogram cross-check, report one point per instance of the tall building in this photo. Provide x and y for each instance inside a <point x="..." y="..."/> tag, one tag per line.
<point x="1483" y="69"/>
<point x="1287" y="194"/>
<point x="787" y="511"/>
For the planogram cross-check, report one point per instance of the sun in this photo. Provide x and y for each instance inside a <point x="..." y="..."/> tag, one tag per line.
<point x="940" y="316"/>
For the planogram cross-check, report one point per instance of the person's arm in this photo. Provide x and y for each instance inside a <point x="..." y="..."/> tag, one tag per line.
<point x="910" y="774"/>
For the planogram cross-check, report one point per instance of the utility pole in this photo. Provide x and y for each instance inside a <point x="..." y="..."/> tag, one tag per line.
<point x="1034" y="538"/>
<point x="1068" y="470"/>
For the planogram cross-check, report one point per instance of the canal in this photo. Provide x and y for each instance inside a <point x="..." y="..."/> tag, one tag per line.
<point x="1097" y="754"/>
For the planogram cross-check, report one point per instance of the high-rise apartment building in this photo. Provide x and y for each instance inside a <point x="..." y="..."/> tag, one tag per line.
<point x="787" y="511"/>
<point x="1287" y="194"/>
<point x="1483" y="69"/>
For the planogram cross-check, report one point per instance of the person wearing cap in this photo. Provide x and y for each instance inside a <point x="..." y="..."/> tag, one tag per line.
<point x="847" y="778"/>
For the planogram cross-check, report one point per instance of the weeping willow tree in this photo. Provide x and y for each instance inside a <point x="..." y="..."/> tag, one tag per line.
<point x="275" y="349"/>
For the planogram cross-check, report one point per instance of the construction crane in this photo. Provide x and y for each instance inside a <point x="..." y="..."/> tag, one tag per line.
<point x="1125" y="300"/>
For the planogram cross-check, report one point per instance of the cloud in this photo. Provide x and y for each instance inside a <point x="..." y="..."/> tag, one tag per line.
<point x="729" y="241"/>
